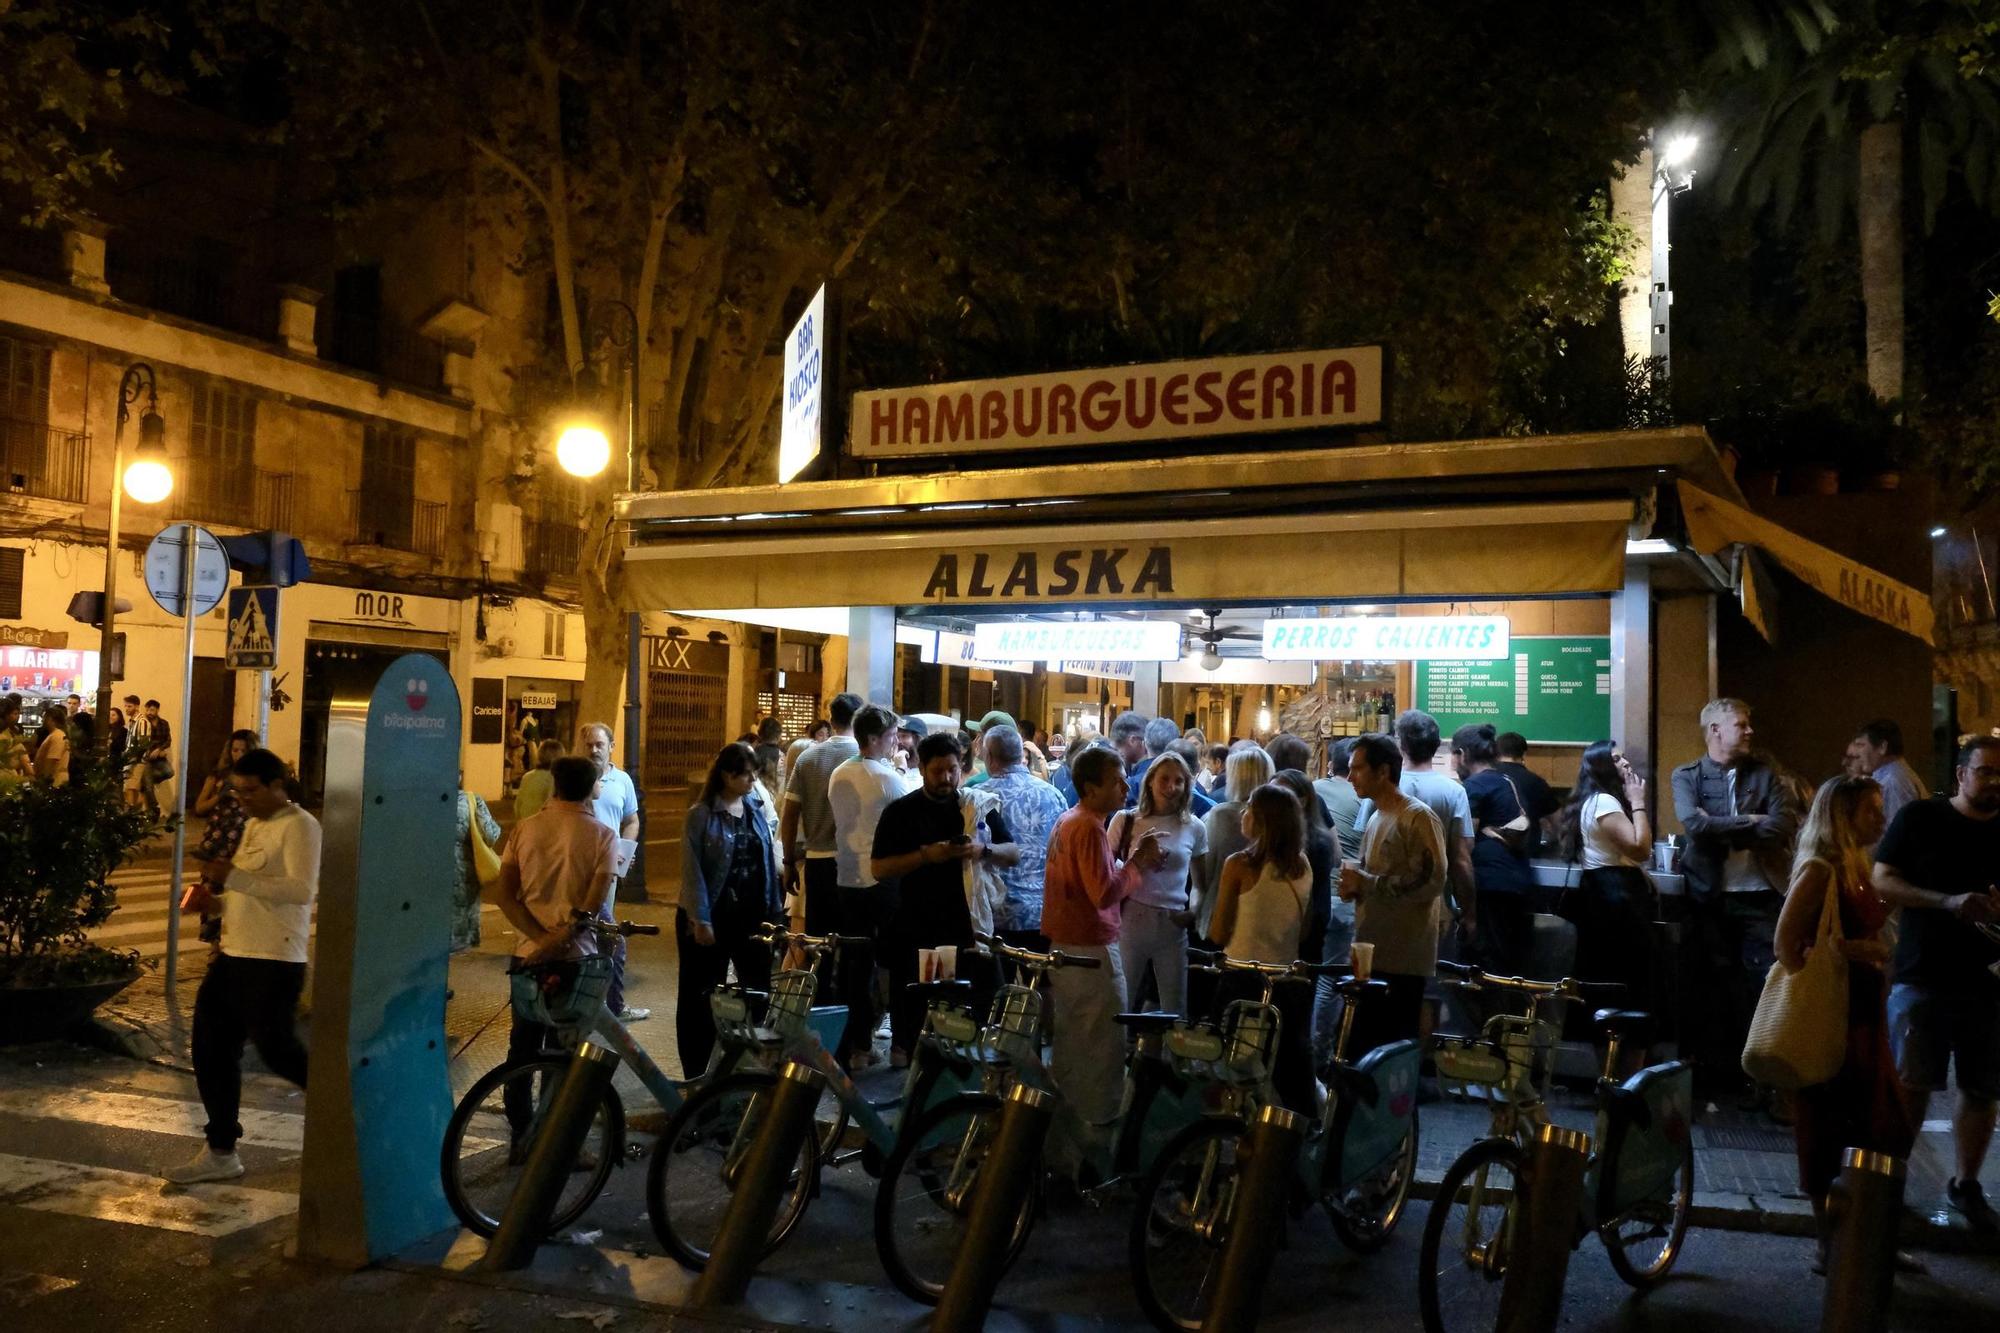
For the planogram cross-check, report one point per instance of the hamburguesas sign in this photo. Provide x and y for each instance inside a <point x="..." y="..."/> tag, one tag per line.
<point x="1239" y="395"/>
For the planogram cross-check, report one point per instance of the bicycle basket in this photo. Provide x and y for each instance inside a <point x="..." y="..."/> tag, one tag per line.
<point x="1251" y="1031"/>
<point x="791" y="999"/>
<point x="563" y="995"/>
<point x="1016" y="1024"/>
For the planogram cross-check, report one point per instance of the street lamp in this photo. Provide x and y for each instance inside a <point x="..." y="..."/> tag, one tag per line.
<point x="148" y="480"/>
<point x="584" y="450"/>
<point x="1672" y="175"/>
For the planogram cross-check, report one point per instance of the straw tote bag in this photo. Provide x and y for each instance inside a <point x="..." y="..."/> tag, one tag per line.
<point x="1798" y="1037"/>
<point x="485" y="861"/>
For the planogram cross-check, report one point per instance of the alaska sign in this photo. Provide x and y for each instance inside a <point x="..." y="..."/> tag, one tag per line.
<point x="1099" y="571"/>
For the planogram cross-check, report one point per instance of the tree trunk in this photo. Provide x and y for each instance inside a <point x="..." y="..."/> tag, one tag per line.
<point x="1881" y="217"/>
<point x="601" y="581"/>
<point x="1632" y="208"/>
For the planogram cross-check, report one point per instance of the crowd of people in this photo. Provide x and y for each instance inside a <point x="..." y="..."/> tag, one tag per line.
<point x="138" y="745"/>
<point x="1139" y="845"/>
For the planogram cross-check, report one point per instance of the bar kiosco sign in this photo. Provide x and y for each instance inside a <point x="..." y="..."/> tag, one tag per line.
<point x="1173" y="400"/>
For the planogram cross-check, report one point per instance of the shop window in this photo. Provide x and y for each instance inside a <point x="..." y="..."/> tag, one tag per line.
<point x="13" y="561"/>
<point x="795" y="712"/>
<point x="555" y="633"/>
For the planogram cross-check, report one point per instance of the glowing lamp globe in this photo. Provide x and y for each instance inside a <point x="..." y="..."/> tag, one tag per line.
<point x="149" y="481"/>
<point x="583" y="451"/>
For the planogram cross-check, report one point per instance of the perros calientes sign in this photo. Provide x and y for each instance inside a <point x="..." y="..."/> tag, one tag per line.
<point x="1387" y="639"/>
<point x="1171" y="400"/>
<point x="1054" y="641"/>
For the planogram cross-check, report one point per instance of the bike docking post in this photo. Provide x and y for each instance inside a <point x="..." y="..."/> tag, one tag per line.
<point x="547" y="1170"/>
<point x="1531" y="1292"/>
<point x="765" y="1174"/>
<point x="1005" y="1187"/>
<point x="1257" y="1220"/>
<point x="1863" y="1211"/>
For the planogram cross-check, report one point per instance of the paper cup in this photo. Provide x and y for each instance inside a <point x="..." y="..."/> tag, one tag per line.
<point x="947" y="962"/>
<point x="927" y="965"/>
<point x="1364" y="960"/>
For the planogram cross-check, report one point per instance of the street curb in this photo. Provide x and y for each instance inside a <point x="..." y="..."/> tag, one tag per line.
<point x="732" y="1319"/>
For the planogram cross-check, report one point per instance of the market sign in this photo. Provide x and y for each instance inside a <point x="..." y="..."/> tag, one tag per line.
<point x="1171" y="400"/>
<point x="799" y="428"/>
<point x="1052" y="641"/>
<point x="1386" y="639"/>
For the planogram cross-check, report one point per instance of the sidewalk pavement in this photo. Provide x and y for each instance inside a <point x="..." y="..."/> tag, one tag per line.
<point x="1746" y="1173"/>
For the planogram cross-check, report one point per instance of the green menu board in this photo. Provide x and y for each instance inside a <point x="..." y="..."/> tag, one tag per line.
<point x="1554" y="690"/>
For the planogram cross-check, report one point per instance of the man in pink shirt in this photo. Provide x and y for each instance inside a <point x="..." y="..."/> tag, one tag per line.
<point x="1084" y="885"/>
<point x="558" y="861"/>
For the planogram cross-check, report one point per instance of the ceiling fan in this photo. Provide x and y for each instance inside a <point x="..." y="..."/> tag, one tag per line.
<point x="1212" y="637"/>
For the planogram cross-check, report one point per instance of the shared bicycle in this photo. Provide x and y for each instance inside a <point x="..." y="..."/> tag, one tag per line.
<point x="1639" y="1186"/>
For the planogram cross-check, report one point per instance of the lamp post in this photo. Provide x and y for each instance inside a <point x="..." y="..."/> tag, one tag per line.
<point x="149" y="481"/>
<point x="1672" y="175"/>
<point x="585" y="451"/>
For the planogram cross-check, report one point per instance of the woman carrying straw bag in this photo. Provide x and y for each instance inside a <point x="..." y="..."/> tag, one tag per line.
<point x="1832" y="904"/>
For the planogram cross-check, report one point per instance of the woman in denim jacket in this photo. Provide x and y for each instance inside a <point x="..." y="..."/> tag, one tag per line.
<point x="729" y="888"/>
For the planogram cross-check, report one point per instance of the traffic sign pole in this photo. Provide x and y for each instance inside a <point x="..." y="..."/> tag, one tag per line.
<point x="190" y="552"/>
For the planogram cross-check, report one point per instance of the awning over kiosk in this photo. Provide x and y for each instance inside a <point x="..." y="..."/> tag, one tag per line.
<point x="1713" y="523"/>
<point x="1486" y="551"/>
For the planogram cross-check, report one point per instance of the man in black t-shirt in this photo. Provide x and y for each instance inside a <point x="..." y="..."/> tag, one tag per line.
<point x="925" y="844"/>
<point x="1939" y="862"/>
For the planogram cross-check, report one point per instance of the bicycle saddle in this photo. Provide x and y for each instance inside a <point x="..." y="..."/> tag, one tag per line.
<point x="1148" y="1022"/>
<point x="1625" y="1024"/>
<point x="1354" y="986"/>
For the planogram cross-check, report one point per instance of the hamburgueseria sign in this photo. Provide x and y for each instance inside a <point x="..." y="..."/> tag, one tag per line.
<point x="1238" y="395"/>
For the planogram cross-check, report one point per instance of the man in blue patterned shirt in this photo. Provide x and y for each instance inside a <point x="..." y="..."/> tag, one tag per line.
<point x="1029" y="807"/>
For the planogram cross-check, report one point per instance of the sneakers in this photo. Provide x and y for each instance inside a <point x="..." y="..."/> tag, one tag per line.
<point x="1967" y="1198"/>
<point x="634" y="1014"/>
<point x="205" y="1166"/>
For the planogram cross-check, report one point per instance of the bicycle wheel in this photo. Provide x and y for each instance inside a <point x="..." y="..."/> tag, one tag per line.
<point x="1181" y="1222"/>
<point x="1365" y="1213"/>
<point x="697" y="1162"/>
<point x="926" y="1194"/>
<point x="1467" y="1239"/>
<point x="487" y="1140"/>
<point x="1644" y="1240"/>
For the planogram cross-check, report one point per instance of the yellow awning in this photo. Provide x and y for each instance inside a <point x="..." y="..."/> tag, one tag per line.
<point x="1714" y="523"/>
<point x="1488" y="552"/>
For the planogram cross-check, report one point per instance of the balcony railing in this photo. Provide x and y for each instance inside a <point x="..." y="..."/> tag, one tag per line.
<point x="551" y="546"/>
<point x="241" y="497"/>
<point x="396" y="522"/>
<point x="38" y="459"/>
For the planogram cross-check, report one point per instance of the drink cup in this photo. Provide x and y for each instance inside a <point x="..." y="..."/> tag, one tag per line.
<point x="927" y="965"/>
<point x="1364" y="960"/>
<point x="947" y="962"/>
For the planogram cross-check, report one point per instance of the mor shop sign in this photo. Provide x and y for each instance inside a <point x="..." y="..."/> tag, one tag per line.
<point x="1241" y="395"/>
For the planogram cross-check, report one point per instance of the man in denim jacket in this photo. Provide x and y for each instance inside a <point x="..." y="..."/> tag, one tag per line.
<point x="1741" y="820"/>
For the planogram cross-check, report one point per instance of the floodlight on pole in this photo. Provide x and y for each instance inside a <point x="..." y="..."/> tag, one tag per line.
<point x="1679" y="149"/>
<point x="583" y="449"/>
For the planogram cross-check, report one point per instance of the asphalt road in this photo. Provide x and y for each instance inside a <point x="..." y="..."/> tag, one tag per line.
<point x="88" y="1241"/>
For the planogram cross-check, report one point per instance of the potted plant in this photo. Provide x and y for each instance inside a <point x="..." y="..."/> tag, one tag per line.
<point x="58" y="848"/>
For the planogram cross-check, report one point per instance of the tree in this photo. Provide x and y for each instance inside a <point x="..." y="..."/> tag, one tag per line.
<point x="1826" y="96"/>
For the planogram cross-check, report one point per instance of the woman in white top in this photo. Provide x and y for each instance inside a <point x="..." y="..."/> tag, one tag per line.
<point x="1260" y="913"/>
<point x="1605" y="827"/>
<point x="1154" y="928"/>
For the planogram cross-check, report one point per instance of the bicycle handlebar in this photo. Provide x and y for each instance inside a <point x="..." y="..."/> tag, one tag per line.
<point x="1219" y="961"/>
<point x="1569" y="989"/>
<point x="1054" y="958"/>
<point x="777" y="935"/>
<point x="586" y="921"/>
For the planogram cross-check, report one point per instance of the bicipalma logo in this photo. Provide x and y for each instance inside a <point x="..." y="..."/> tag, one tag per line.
<point x="419" y="694"/>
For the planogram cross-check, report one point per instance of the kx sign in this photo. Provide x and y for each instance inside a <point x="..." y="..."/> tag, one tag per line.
<point x="1387" y="639"/>
<point x="799" y="429"/>
<point x="1113" y="640"/>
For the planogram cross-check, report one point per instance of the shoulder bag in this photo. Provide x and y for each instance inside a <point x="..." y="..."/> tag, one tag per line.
<point x="1798" y="1037"/>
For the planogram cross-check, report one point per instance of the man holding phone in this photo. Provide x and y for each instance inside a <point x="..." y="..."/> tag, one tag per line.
<point x="923" y="854"/>
<point x="1937" y="862"/>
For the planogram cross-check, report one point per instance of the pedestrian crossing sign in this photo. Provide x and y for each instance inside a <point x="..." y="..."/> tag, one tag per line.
<point x="253" y="629"/>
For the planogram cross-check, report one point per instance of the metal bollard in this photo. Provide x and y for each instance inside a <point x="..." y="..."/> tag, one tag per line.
<point x="526" y="1222"/>
<point x="1551" y="1200"/>
<point x="1004" y="1188"/>
<point x="1863" y="1210"/>
<point x="753" y="1204"/>
<point x="1257" y="1218"/>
